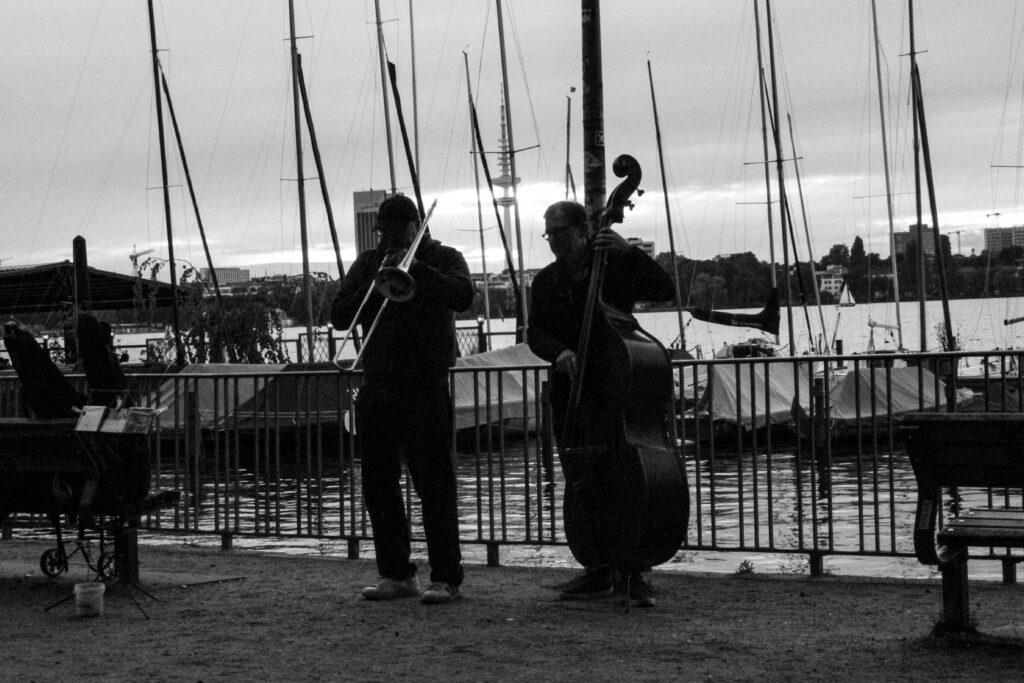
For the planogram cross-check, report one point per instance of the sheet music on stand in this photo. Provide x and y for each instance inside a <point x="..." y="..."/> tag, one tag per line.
<point x="117" y="420"/>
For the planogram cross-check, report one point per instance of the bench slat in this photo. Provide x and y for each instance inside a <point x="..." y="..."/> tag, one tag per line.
<point x="997" y="536"/>
<point x="991" y="513"/>
<point x="984" y="522"/>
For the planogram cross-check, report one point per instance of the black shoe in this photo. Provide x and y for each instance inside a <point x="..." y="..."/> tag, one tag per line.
<point x="641" y="593"/>
<point x="441" y="593"/>
<point x="392" y="589"/>
<point x="592" y="584"/>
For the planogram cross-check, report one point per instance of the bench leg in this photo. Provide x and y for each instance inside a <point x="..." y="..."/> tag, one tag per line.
<point x="1009" y="571"/>
<point x="126" y="551"/>
<point x="956" y="613"/>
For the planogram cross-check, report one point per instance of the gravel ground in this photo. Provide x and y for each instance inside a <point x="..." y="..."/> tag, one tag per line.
<point x="247" y="615"/>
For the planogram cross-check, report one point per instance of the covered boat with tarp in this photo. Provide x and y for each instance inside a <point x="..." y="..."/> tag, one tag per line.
<point x="867" y="399"/>
<point x="509" y="398"/>
<point x="744" y="397"/>
<point x="260" y="407"/>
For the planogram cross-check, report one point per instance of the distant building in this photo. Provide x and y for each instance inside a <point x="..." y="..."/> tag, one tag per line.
<point x="503" y="279"/>
<point x="226" y="276"/>
<point x="831" y="279"/>
<point x="919" y="234"/>
<point x="646" y="247"/>
<point x="997" y="239"/>
<point x="365" y="205"/>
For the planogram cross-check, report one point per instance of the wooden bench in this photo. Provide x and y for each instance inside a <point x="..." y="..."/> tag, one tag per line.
<point x="966" y="450"/>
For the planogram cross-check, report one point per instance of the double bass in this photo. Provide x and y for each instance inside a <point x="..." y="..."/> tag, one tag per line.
<point x="627" y="500"/>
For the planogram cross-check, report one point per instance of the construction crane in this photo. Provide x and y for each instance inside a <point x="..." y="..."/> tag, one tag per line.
<point x="134" y="256"/>
<point x="959" y="251"/>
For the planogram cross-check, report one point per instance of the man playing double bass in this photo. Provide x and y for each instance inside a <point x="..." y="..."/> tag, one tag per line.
<point x="557" y="309"/>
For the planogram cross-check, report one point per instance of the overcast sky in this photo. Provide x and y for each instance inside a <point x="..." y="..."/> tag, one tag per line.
<point x="81" y="155"/>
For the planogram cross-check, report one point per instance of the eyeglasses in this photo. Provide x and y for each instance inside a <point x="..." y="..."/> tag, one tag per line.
<point x="558" y="231"/>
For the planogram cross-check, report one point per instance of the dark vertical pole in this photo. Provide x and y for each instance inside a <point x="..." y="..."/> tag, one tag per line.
<point x="594" y="188"/>
<point x="179" y="347"/>
<point x="82" y="299"/>
<point x="83" y="294"/>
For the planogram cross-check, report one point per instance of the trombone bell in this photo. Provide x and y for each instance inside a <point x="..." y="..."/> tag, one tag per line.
<point x="395" y="284"/>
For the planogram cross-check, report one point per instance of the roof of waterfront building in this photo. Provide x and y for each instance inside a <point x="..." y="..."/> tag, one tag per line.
<point x="51" y="286"/>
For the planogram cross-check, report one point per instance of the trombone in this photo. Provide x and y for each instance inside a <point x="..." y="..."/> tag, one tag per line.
<point x="393" y="283"/>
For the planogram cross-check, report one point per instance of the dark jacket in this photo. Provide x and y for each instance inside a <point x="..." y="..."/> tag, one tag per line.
<point x="556" y="304"/>
<point x="414" y="339"/>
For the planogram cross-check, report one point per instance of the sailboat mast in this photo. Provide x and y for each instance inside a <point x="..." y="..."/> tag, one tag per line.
<point x="779" y="176"/>
<point x="668" y="211"/>
<point x="917" y="189"/>
<point x="384" y="94"/>
<point x="888" y="182"/>
<point x="949" y="340"/>
<point x="520" y="333"/>
<point x="191" y="190"/>
<point x="320" y="174"/>
<point x="415" y="105"/>
<point x="764" y="145"/>
<point x="568" y="146"/>
<point x="301" y="180"/>
<point x="479" y="204"/>
<point x="179" y="347"/>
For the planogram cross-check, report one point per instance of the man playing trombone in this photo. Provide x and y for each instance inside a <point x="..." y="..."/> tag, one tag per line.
<point x="404" y="407"/>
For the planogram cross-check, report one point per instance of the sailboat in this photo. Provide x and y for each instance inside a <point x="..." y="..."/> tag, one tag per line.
<point x="846" y="297"/>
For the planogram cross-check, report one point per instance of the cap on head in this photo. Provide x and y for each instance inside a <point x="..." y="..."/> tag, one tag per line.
<point x="397" y="209"/>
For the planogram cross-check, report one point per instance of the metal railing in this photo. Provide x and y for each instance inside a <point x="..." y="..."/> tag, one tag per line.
<point x="794" y="456"/>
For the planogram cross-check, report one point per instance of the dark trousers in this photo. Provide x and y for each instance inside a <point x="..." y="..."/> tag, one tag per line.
<point x="411" y="418"/>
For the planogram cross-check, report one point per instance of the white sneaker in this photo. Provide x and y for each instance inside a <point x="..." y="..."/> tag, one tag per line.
<point x="391" y="589"/>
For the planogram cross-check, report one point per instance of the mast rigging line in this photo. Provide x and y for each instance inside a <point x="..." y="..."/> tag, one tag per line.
<point x="529" y="96"/>
<point x="64" y="136"/>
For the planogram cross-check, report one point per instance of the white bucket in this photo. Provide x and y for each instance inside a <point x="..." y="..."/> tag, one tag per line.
<point x="89" y="599"/>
